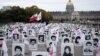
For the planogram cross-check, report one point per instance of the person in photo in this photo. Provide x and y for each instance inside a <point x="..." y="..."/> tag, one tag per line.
<point x="66" y="40"/>
<point x="53" y="38"/>
<point x="32" y="42"/>
<point x="15" y="37"/>
<point x="41" y="38"/>
<point x="18" y="51"/>
<point x="88" y="47"/>
<point x="87" y="37"/>
<point x="67" y="51"/>
<point x="30" y="32"/>
<point x="95" y="42"/>
<point x="77" y="40"/>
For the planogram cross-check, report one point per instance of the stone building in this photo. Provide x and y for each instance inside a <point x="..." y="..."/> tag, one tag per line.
<point x="70" y="14"/>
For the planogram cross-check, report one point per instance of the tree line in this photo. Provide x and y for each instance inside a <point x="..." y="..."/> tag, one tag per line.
<point x="18" y="14"/>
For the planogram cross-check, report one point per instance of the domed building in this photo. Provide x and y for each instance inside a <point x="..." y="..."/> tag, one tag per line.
<point x="70" y="14"/>
<point x="69" y="7"/>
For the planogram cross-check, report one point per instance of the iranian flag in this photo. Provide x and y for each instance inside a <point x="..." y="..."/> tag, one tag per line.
<point x="33" y="17"/>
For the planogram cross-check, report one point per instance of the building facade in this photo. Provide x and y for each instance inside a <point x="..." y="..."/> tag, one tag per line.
<point x="72" y="15"/>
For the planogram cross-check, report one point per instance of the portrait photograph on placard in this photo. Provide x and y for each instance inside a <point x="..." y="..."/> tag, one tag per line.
<point x="31" y="33"/>
<point x="18" y="49"/>
<point x="78" y="41"/>
<point x="41" y="39"/>
<point x="53" y="38"/>
<point x="95" y="42"/>
<point x="33" y="44"/>
<point x="88" y="37"/>
<point x="88" y="48"/>
<point x="67" y="49"/>
<point x="66" y="40"/>
<point x="16" y="37"/>
<point x="36" y="53"/>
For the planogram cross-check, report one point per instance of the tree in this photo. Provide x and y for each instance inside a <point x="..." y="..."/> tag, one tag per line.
<point x="17" y="14"/>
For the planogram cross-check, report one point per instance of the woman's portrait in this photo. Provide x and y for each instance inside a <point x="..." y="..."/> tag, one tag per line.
<point x="67" y="51"/>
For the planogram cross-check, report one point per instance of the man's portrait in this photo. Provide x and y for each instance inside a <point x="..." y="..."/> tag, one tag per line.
<point x="33" y="44"/>
<point x="87" y="37"/>
<point x="88" y="48"/>
<point x="95" y="42"/>
<point x="78" y="41"/>
<point x="18" y="49"/>
<point x="53" y="38"/>
<point x="16" y="37"/>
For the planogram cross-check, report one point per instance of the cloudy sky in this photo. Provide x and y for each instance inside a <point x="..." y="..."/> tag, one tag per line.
<point x="54" y="5"/>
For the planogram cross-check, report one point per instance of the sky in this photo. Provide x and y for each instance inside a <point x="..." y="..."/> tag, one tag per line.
<point x="54" y="5"/>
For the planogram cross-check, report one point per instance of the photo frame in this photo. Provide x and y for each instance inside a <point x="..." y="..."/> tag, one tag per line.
<point x="77" y="41"/>
<point x="41" y="39"/>
<point x="18" y="49"/>
<point x="88" y="48"/>
<point x="88" y="37"/>
<point x="33" y="45"/>
<point x="67" y="48"/>
<point x="95" y="42"/>
<point x="16" y="37"/>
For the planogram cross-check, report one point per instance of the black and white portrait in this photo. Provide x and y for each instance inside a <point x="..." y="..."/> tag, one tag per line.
<point x="41" y="39"/>
<point x="18" y="49"/>
<point x="36" y="53"/>
<point x="33" y="44"/>
<point x="25" y="34"/>
<point x="88" y="37"/>
<point x="67" y="49"/>
<point x="88" y="48"/>
<point x="95" y="42"/>
<point x="53" y="38"/>
<point x="78" y="41"/>
<point x="66" y="40"/>
<point x="16" y="37"/>
<point x="30" y="32"/>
